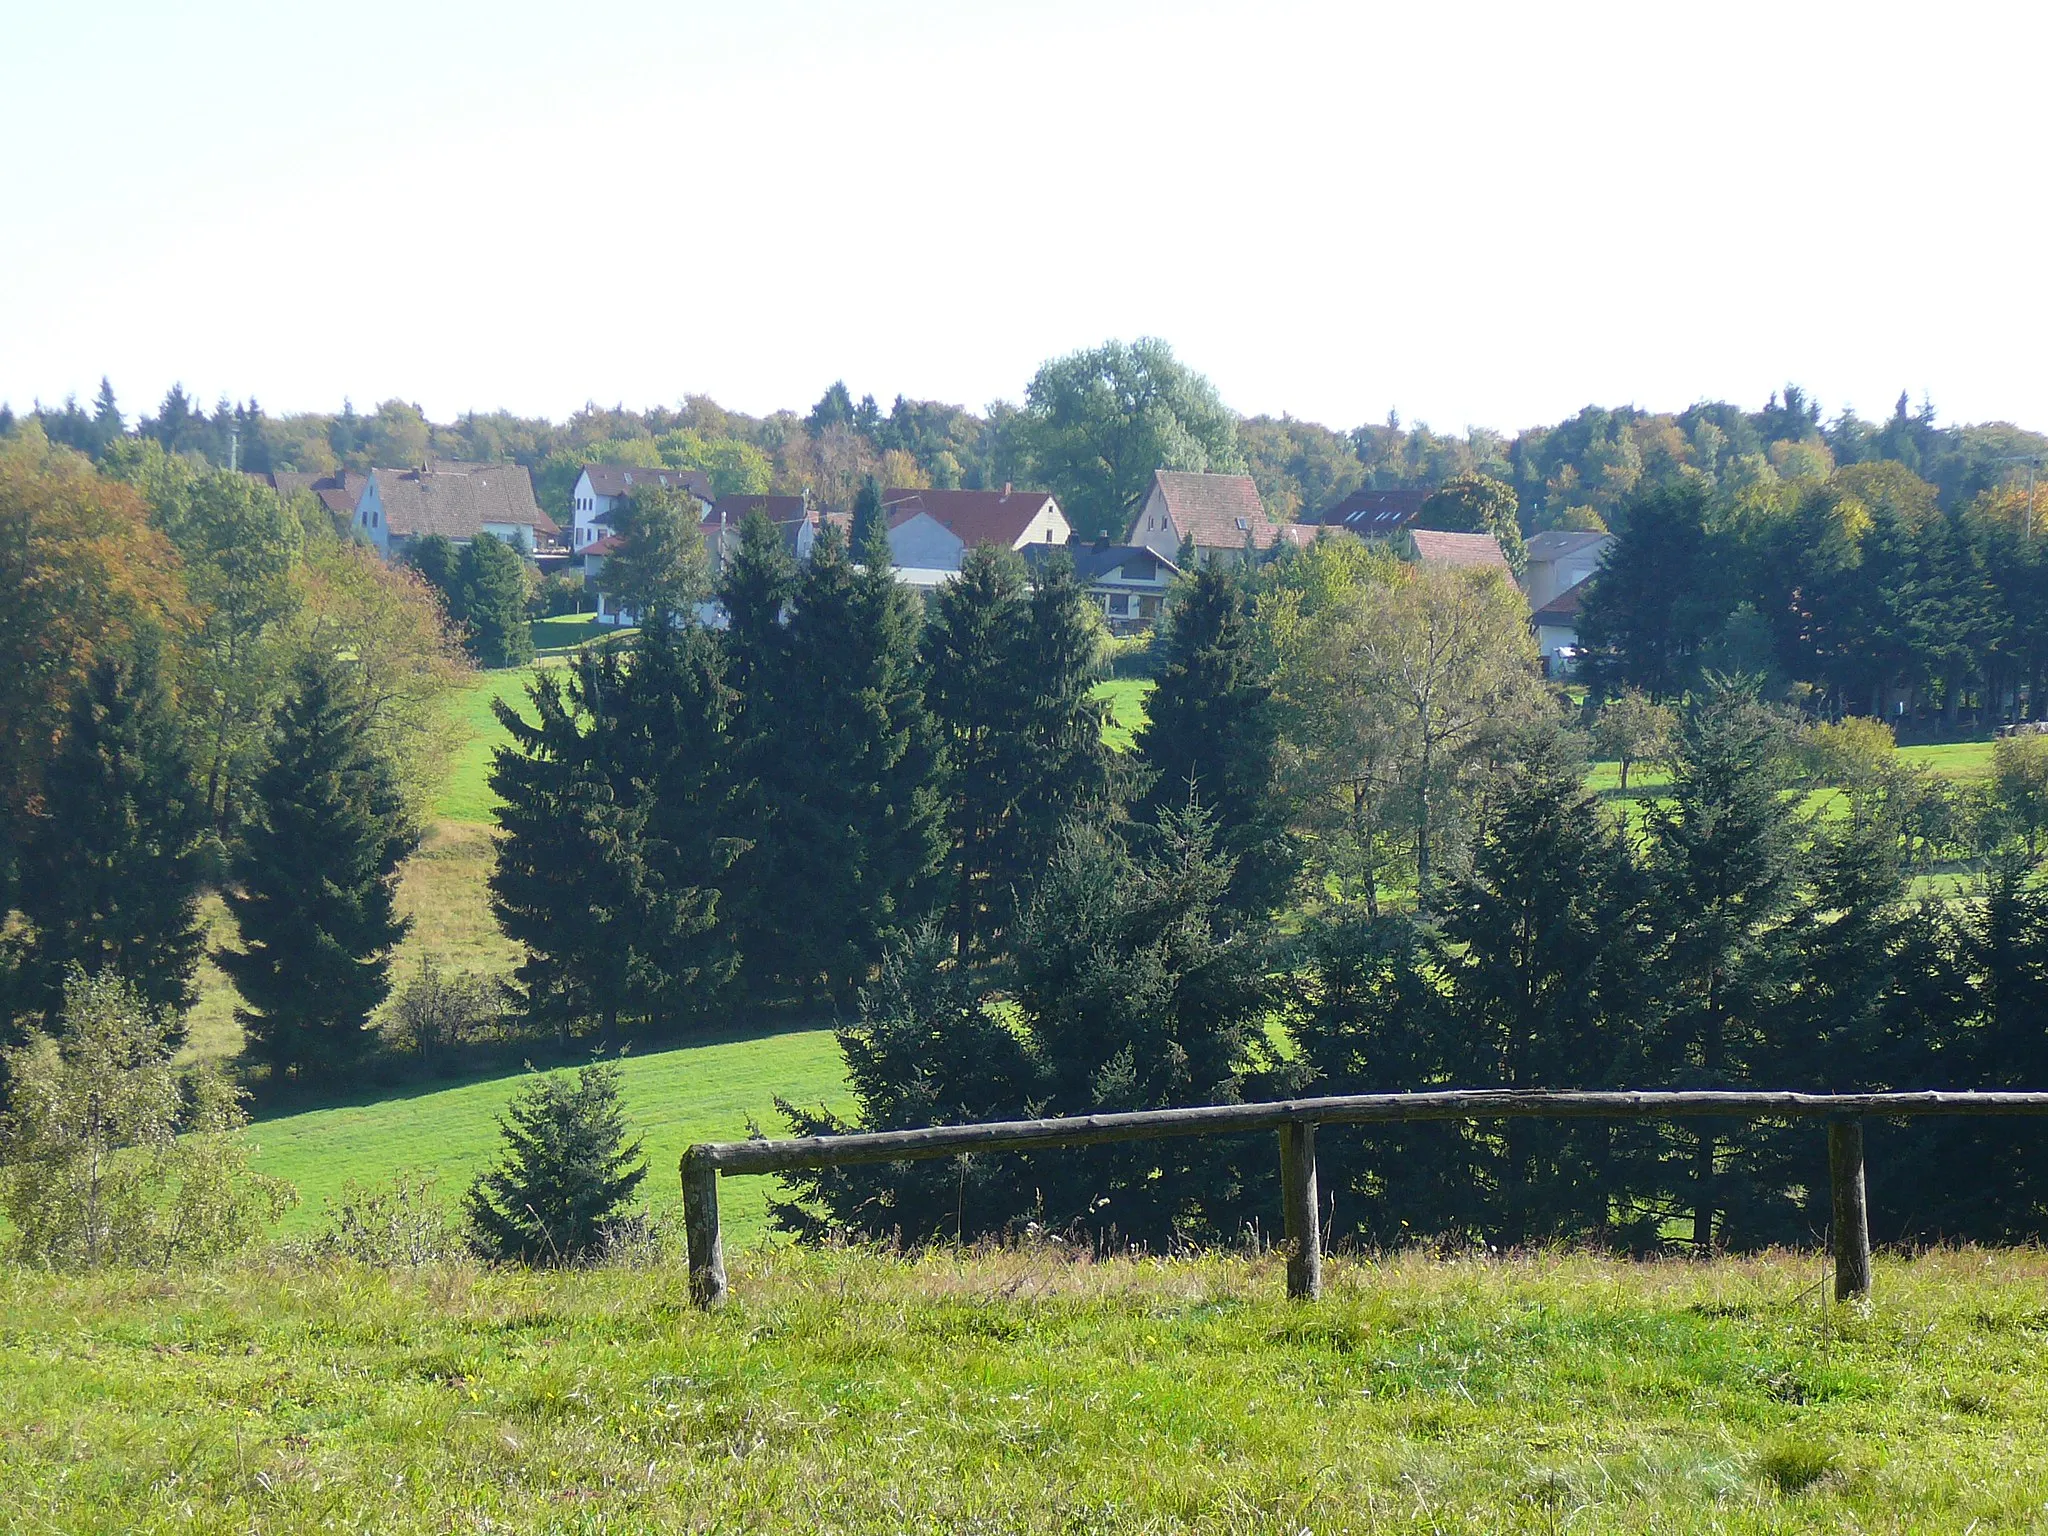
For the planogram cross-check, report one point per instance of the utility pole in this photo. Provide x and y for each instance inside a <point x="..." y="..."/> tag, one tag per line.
<point x="234" y="449"/>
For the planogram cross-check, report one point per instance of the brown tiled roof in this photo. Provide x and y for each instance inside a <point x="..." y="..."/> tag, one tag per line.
<point x="1563" y="608"/>
<point x="619" y="480"/>
<point x="777" y="509"/>
<point x="1216" y="511"/>
<point x="457" y="505"/>
<point x="1301" y="535"/>
<point x="1374" y="514"/>
<point x="1463" y="549"/>
<point x="603" y="546"/>
<point x="338" y="492"/>
<point x="973" y="517"/>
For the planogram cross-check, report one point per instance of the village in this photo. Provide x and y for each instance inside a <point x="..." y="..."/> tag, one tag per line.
<point x="1186" y="518"/>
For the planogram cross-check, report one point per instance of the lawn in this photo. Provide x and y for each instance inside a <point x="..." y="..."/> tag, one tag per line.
<point x="1029" y="1392"/>
<point x="567" y="631"/>
<point x="673" y="1097"/>
<point x="1126" y="698"/>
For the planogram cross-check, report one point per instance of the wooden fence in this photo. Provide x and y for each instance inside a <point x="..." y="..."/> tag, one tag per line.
<point x="1296" y="1121"/>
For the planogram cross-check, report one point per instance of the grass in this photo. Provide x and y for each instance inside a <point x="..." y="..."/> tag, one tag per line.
<point x="1126" y="699"/>
<point x="1028" y="1392"/>
<point x="467" y="795"/>
<point x="567" y="631"/>
<point x="674" y="1097"/>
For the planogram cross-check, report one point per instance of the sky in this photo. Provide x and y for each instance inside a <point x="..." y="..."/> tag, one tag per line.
<point x="1473" y="214"/>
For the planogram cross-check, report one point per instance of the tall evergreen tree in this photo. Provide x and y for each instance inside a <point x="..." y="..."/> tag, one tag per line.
<point x="1213" y="737"/>
<point x="316" y="881"/>
<point x="111" y="866"/>
<point x="1725" y="851"/>
<point x="493" y="587"/>
<point x="439" y="563"/>
<point x="867" y="514"/>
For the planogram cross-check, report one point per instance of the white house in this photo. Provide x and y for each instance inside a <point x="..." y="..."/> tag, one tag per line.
<point x="1556" y="625"/>
<point x="1559" y="560"/>
<point x="1219" y="514"/>
<point x="932" y="530"/>
<point x="1127" y="582"/>
<point x="603" y="487"/>
<point x="456" y="501"/>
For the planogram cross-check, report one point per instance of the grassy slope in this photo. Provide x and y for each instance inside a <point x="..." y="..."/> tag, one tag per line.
<point x="1024" y="1393"/>
<point x="674" y="1097"/>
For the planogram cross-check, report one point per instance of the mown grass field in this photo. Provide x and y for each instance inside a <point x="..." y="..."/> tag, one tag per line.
<point x="703" y="1092"/>
<point x="1026" y="1392"/>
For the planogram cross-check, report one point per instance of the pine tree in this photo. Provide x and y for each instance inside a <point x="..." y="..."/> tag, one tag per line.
<point x="316" y="882"/>
<point x="493" y="588"/>
<point x="111" y="868"/>
<point x="1725" y="852"/>
<point x="755" y="589"/>
<point x="1213" y="738"/>
<point x="567" y="1170"/>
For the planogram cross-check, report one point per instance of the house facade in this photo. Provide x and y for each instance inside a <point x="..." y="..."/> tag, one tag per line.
<point x="1221" y="515"/>
<point x="1127" y="582"/>
<point x="1559" y="560"/>
<point x="456" y="501"/>
<point x="931" y="530"/>
<point x="602" y="488"/>
<point x="1556" y="626"/>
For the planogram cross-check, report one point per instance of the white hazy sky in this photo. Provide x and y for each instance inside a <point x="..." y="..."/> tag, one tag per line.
<point x="1477" y="214"/>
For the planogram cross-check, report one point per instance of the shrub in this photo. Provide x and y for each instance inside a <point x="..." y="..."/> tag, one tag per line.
<point x="392" y="1226"/>
<point x="437" y="1011"/>
<point x="108" y="1155"/>
<point x="567" y="1171"/>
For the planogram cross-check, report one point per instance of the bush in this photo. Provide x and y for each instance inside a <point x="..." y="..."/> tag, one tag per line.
<point x="108" y="1155"/>
<point x="558" y="596"/>
<point x="566" y="1174"/>
<point x="437" y="1011"/>
<point x="399" y="1225"/>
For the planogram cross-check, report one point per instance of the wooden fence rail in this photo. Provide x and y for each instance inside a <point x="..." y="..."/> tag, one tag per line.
<point x="1296" y="1121"/>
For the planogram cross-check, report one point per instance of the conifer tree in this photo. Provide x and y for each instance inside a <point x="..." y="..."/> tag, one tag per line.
<point x="440" y="566"/>
<point x="756" y="587"/>
<point x="493" y="588"/>
<point x="111" y="868"/>
<point x="1725" y="854"/>
<point x="867" y="515"/>
<point x="567" y="1170"/>
<point x="316" y="881"/>
<point x="1213" y="738"/>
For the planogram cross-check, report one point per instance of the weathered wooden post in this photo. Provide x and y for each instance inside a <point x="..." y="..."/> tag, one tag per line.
<point x="1299" y="1202"/>
<point x="1851" y="1214"/>
<point x="700" y="1228"/>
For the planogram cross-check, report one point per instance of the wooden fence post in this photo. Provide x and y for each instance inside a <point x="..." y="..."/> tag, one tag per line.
<point x="700" y="1229"/>
<point x="1299" y="1203"/>
<point x="1851" y="1213"/>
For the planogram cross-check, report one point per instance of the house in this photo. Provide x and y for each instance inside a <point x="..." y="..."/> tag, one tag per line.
<point x="1128" y="582"/>
<point x="338" y="493"/>
<point x="793" y="517"/>
<point x="1559" y="560"/>
<point x="1473" y="551"/>
<point x="456" y="501"/>
<point x="1374" y="514"/>
<point x="1221" y="515"/>
<point x="931" y="530"/>
<point x="604" y="487"/>
<point x="1556" y="625"/>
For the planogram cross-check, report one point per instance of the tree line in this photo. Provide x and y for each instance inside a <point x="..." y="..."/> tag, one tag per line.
<point x="1091" y="428"/>
<point x="209" y="687"/>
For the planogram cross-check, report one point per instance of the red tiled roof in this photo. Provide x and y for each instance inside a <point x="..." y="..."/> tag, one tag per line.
<point x="603" y="546"/>
<point x="1460" y="549"/>
<point x="973" y="517"/>
<point x="1563" y="608"/>
<point x="619" y="480"/>
<point x="1216" y="511"/>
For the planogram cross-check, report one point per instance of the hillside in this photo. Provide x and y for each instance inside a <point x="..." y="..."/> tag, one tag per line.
<point x="1023" y="1392"/>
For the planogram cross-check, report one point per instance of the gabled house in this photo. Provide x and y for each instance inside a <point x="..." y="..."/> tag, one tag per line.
<point x="1374" y="514"/>
<point x="601" y="488"/>
<point x="1221" y="515"/>
<point x="1127" y="582"/>
<point x="1559" y="560"/>
<point x="1556" y="625"/>
<point x="456" y="501"/>
<point x="931" y="530"/>
<point x="793" y="517"/>
<point x="1469" y="550"/>
<point x="338" y="493"/>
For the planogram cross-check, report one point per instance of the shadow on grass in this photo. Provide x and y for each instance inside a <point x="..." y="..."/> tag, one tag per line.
<point x="389" y="1079"/>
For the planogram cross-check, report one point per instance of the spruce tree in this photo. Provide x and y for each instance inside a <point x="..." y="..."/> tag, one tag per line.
<point x="867" y="515"/>
<point x="493" y="587"/>
<point x="1213" y="738"/>
<point x="316" y="881"/>
<point x="1725" y="851"/>
<point x="111" y="867"/>
<point x="566" y="1172"/>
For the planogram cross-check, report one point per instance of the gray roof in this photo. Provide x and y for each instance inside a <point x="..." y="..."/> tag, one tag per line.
<point x="1372" y="513"/>
<point x="1560" y="542"/>
<point x="620" y="479"/>
<point x="1092" y="562"/>
<point x="458" y="504"/>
